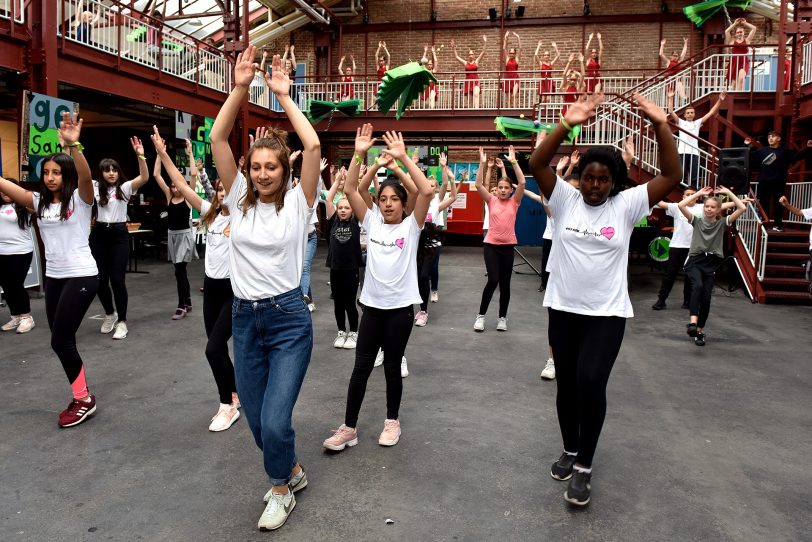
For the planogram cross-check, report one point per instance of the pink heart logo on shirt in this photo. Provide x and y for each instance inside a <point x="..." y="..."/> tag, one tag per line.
<point x="400" y="242"/>
<point x="608" y="232"/>
<point x="69" y="213"/>
<point x="9" y="211"/>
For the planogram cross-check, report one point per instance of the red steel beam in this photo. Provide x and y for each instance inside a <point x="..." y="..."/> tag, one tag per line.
<point x="12" y="56"/>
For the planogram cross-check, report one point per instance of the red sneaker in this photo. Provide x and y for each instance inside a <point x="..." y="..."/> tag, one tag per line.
<point x="77" y="412"/>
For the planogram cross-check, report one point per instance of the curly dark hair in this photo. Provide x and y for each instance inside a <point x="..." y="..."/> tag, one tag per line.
<point x="613" y="162"/>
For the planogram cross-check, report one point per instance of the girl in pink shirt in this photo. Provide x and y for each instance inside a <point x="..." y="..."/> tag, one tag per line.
<point x="501" y="237"/>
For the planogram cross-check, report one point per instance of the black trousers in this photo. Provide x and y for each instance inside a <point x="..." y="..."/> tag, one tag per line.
<point x="701" y="272"/>
<point x="110" y="245"/>
<point x="547" y="245"/>
<point x="676" y="259"/>
<point x="768" y="195"/>
<point x="182" y="282"/>
<point x="424" y="273"/>
<point x="344" y="287"/>
<point x="217" y="300"/>
<point x="690" y="167"/>
<point x="66" y="303"/>
<point x="585" y="349"/>
<point x="499" y="265"/>
<point x="386" y="329"/>
<point x="13" y="270"/>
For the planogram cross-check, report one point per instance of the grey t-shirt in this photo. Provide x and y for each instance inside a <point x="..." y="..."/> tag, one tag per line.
<point x="708" y="236"/>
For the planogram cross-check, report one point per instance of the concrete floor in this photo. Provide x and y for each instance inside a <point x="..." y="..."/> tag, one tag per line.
<point x="699" y="443"/>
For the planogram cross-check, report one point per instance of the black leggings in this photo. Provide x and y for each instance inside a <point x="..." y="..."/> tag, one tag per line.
<point x="585" y="349"/>
<point x="499" y="265"/>
<point x="389" y="330"/>
<point x="182" y="280"/>
<point x="769" y="194"/>
<point x="217" y="300"/>
<point x="547" y="245"/>
<point x="66" y="303"/>
<point x="13" y="270"/>
<point x="344" y="286"/>
<point x="435" y="270"/>
<point x="424" y="277"/>
<point x="110" y="246"/>
<point x="701" y="272"/>
<point x="676" y="259"/>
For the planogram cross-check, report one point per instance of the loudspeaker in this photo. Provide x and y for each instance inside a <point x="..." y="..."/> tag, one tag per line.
<point x="734" y="169"/>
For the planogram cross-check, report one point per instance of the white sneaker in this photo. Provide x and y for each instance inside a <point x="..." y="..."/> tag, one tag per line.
<point x="501" y="324"/>
<point x="26" y="324"/>
<point x="121" y="331"/>
<point x="109" y="323"/>
<point x="341" y="339"/>
<point x="12" y="324"/>
<point x="435" y="297"/>
<point x="404" y="370"/>
<point x="379" y="359"/>
<point x="479" y="323"/>
<point x="297" y="483"/>
<point x="277" y="511"/>
<point x="311" y="307"/>
<point x="225" y="418"/>
<point x="549" y="370"/>
<point x="352" y="340"/>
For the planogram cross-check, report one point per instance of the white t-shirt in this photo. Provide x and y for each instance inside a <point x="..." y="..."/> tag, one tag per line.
<point x="590" y="252"/>
<point x="67" y="252"/>
<point x="116" y="209"/>
<point x="267" y="248"/>
<point x="13" y="240"/>
<point x="683" y="231"/>
<point x="486" y="223"/>
<point x="217" y="244"/>
<point x="390" y="281"/>
<point x="688" y="144"/>
<point x="435" y="215"/>
<point x="549" y="228"/>
<point x="808" y="215"/>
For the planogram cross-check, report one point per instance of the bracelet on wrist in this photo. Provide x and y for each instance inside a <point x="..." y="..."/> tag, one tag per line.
<point x="142" y="157"/>
<point x="357" y="158"/>
<point x="514" y="161"/>
<point x="565" y="124"/>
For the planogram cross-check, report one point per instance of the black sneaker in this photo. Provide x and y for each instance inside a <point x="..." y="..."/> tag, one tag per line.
<point x="691" y="329"/>
<point x="659" y="305"/>
<point x="562" y="469"/>
<point x="699" y="340"/>
<point x="579" y="488"/>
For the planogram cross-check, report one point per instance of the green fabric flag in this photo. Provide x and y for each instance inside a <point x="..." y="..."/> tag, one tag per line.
<point x="405" y="83"/>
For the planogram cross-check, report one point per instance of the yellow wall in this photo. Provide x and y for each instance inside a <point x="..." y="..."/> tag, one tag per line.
<point x="9" y="137"/>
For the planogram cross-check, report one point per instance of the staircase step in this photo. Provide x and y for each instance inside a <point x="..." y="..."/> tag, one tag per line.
<point x="787" y="281"/>
<point x="788" y="244"/>
<point x="787" y="233"/>
<point x="779" y="294"/>
<point x="777" y="268"/>
<point x="786" y="256"/>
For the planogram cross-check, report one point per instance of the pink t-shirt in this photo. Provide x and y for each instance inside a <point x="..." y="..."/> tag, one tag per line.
<point x="502" y="230"/>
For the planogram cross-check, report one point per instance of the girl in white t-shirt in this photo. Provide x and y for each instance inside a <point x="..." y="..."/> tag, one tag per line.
<point x="587" y="295"/>
<point x="110" y="239"/>
<point x="16" y="253"/>
<point x="217" y="293"/>
<point x="390" y="287"/>
<point x="273" y="331"/>
<point x="63" y="209"/>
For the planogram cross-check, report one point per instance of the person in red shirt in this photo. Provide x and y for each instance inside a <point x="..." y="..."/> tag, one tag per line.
<point x="572" y="84"/>
<point x="739" y="50"/>
<point x="510" y="83"/>
<point x="674" y="85"/>
<point x="788" y="70"/>
<point x="593" y="65"/>
<point x="471" y="85"/>
<point x="347" y="92"/>
<point x="546" y="85"/>
<point x="430" y="93"/>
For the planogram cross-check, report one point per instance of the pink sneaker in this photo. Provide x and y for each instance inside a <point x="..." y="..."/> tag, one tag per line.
<point x="421" y="319"/>
<point x="342" y="437"/>
<point x="179" y="314"/>
<point x="391" y="433"/>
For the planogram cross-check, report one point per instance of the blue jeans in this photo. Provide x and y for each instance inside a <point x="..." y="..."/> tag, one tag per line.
<point x="273" y="340"/>
<point x="310" y="253"/>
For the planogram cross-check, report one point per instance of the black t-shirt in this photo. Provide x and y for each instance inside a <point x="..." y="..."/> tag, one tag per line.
<point x="344" y="248"/>
<point x="772" y="164"/>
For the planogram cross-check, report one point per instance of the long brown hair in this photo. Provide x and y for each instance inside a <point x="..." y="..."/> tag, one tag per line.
<point x="215" y="208"/>
<point x="277" y="141"/>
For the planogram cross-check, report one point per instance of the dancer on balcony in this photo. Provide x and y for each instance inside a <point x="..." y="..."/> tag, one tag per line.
<point x="471" y="84"/>
<point x="739" y="64"/>
<point x="85" y="21"/>
<point x="510" y="84"/>
<point x="347" y="90"/>
<point x="707" y="252"/>
<point x="593" y="65"/>
<point x="430" y="93"/>
<point x="687" y="137"/>
<point x="587" y="293"/>
<point x="545" y="64"/>
<point x="16" y="253"/>
<point x="384" y="60"/>
<point x="572" y="84"/>
<point x="671" y="67"/>
<point x="289" y="60"/>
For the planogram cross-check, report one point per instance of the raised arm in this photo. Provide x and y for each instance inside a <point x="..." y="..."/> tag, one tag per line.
<point x="449" y="201"/>
<point x="670" y="170"/>
<point x="751" y="28"/>
<point x="389" y="57"/>
<point x="369" y="177"/>
<point x="265" y="59"/>
<point x="341" y="66"/>
<point x="588" y="43"/>
<point x="670" y="98"/>
<point x="456" y="55"/>
<point x="740" y="207"/>
<point x="536" y="58"/>
<point x="70" y="129"/>
<point x="662" y="52"/>
<point x="600" y="49"/>
<point x="532" y="195"/>
<point x="156" y="172"/>
<point x="686" y="203"/>
<point x="292" y="57"/>
<point x="354" y="70"/>
<point x="684" y="52"/>
<point x="396" y="148"/>
<point x="18" y="194"/>
<point x="557" y="54"/>
<point x="175" y="176"/>
<point x="715" y="109"/>
<point x="363" y="142"/>
<point x="143" y="170"/>
<point x="279" y="84"/>
<point x="729" y="37"/>
<point x="329" y="206"/>
<point x="505" y="43"/>
<point x="433" y="58"/>
<point x="518" y="46"/>
<point x="785" y="203"/>
<point x="484" y="46"/>
<point x="244" y="69"/>
<point x="378" y="51"/>
<point x="483" y="191"/>
<point x="520" y="180"/>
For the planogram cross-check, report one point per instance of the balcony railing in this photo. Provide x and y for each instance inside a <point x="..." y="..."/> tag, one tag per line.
<point x="806" y="74"/>
<point x="12" y="10"/>
<point x="115" y="30"/>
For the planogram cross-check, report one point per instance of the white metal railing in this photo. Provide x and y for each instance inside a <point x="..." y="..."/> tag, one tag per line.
<point x="753" y="234"/>
<point x="106" y="29"/>
<point x="13" y="10"/>
<point x="798" y="194"/>
<point x="806" y="75"/>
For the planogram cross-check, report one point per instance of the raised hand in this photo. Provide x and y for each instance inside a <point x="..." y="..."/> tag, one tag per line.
<point x="322" y="164"/>
<point x="575" y="157"/>
<point x="245" y="67"/>
<point x="782" y="200"/>
<point x="499" y="163"/>
<point x="651" y="110"/>
<point x="70" y="128"/>
<point x="278" y="80"/>
<point x="581" y="111"/>
<point x="722" y="96"/>
<point x="747" y="141"/>
<point x="485" y="39"/>
<point x="363" y="139"/>
<point x="706" y="191"/>
<point x="511" y="154"/>
<point x="562" y="163"/>
<point x="572" y="57"/>
<point x="241" y="163"/>
<point x="158" y="141"/>
<point x="482" y="156"/>
<point x="263" y="132"/>
<point x="138" y="147"/>
<point x="294" y="156"/>
<point x="628" y="146"/>
<point x="384" y="160"/>
<point x="443" y="159"/>
<point x="188" y="147"/>
<point x="491" y="162"/>
<point x="396" y="146"/>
